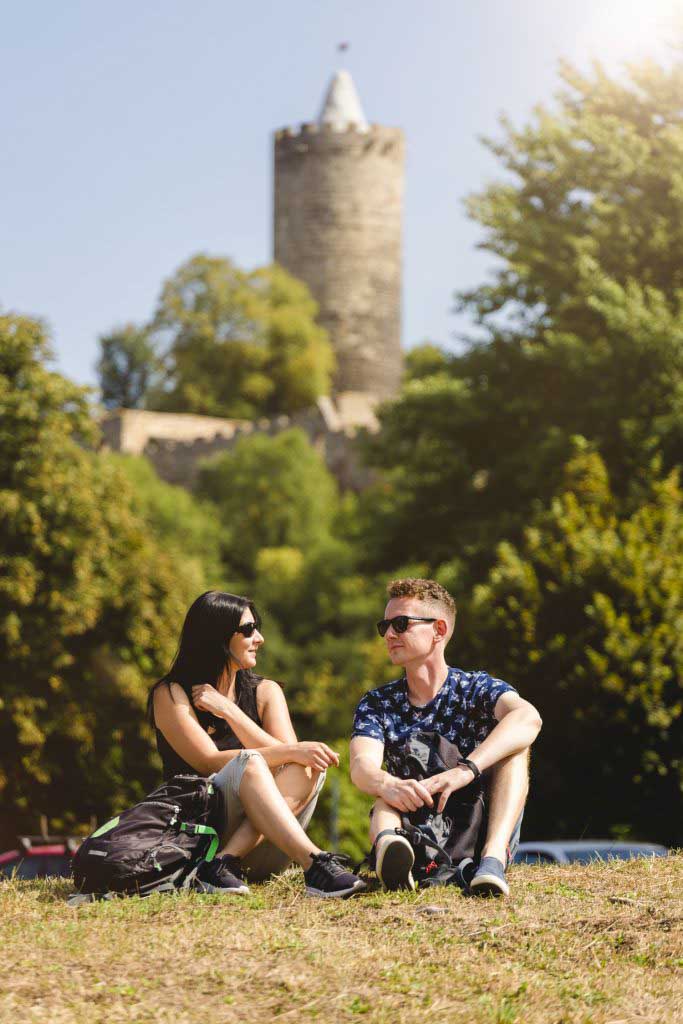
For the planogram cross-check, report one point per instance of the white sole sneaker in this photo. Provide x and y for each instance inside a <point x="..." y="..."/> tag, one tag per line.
<point x="216" y="890"/>
<point x="340" y="894"/>
<point x="489" y="885"/>
<point x="393" y="863"/>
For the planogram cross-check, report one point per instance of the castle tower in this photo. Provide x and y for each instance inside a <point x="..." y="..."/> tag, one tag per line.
<point x="337" y="225"/>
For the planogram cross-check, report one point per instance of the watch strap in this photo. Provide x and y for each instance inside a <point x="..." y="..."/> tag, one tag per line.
<point x="476" y="772"/>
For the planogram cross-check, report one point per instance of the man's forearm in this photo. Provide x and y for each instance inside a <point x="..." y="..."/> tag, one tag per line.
<point x="368" y="777"/>
<point x="514" y="733"/>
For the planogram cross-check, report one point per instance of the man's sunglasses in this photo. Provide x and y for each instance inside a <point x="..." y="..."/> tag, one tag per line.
<point x="247" y="629"/>
<point x="400" y="623"/>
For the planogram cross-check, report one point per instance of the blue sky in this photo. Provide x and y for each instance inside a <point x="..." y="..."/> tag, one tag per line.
<point x="139" y="133"/>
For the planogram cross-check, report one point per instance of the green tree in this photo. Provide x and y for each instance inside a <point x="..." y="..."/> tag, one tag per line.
<point x="239" y="344"/>
<point x="269" y="492"/>
<point x="599" y="176"/>
<point x="90" y="606"/>
<point x="187" y="528"/>
<point x="586" y="618"/>
<point x="126" y="367"/>
<point x="584" y="325"/>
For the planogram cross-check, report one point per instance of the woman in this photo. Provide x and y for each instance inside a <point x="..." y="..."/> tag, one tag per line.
<point x="215" y="717"/>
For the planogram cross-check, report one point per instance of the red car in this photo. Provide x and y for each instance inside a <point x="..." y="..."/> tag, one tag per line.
<point x="39" y="857"/>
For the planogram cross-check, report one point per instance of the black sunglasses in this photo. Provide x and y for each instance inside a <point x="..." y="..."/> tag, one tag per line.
<point x="247" y="629"/>
<point x="400" y="623"/>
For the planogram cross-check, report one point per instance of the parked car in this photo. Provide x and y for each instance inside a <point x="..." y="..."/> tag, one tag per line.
<point x="583" y="851"/>
<point x="39" y="857"/>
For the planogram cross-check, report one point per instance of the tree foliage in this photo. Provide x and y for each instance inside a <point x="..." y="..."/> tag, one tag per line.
<point x="586" y="616"/>
<point x="584" y="322"/>
<point x="90" y="606"/>
<point x="237" y="343"/>
<point x="126" y="367"/>
<point x="269" y="492"/>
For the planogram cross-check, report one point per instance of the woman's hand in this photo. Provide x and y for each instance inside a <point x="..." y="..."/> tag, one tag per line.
<point x="207" y="698"/>
<point x="313" y="754"/>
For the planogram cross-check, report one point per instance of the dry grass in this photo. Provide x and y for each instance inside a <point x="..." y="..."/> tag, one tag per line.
<point x="582" y="944"/>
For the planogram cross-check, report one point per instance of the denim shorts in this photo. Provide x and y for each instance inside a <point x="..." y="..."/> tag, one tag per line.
<point x="266" y="859"/>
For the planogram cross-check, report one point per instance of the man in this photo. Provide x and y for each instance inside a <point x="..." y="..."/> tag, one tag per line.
<point x="492" y="726"/>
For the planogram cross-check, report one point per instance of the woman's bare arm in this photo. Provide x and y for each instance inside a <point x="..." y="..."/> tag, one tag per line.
<point x="176" y="719"/>
<point x="272" y="708"/>
<point x="273" y="711"/>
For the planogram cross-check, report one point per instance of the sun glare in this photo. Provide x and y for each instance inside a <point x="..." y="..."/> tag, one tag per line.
<point x="631" y="28"/>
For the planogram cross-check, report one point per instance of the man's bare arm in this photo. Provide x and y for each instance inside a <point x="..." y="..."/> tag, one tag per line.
<point x="366" y="755"/>
<point x="519" y="723"/>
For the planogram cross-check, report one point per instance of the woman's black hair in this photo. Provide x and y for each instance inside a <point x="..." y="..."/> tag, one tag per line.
<point x="204" y="648"/>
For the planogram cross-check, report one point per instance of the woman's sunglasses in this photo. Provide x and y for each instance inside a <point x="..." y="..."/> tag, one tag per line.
<point x="400" y="623"/>
<point x="247" y="629"/>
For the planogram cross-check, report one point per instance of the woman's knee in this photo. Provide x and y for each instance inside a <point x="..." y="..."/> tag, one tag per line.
<point x="297" y="784"/>
<point x="255" y="766"/>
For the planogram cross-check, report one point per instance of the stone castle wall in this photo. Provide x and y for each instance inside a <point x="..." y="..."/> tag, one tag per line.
<point x="177" y="443"/>
<point x="338" y="227"/>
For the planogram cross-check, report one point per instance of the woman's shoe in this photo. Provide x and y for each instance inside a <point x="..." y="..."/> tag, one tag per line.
<point x="329" y="877"/>
<point x="223" y="875"/>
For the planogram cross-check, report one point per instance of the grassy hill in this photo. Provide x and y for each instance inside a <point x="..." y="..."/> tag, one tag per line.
<point x="600" y="944"/>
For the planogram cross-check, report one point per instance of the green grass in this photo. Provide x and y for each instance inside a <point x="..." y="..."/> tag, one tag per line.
<point x="577" y="945"/>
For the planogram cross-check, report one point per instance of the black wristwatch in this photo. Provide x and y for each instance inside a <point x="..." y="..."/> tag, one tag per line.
<point x="471" y="765"/>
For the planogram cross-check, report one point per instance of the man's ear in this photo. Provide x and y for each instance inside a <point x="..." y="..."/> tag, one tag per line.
<point x="441" y="627"/>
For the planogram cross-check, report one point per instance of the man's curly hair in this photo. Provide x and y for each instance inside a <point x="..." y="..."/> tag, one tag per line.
<point x="423" y="590"/>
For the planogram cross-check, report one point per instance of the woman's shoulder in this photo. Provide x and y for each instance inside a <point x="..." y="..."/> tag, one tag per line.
<point x="169" y="692"/>
<point x="266" y="689"/>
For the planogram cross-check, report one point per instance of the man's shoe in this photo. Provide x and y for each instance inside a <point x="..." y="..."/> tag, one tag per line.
<point x="329" y="877"/>
<point x="394" y="859"/>
<point x="223" y="875"/>
<point x="489" y="879"/>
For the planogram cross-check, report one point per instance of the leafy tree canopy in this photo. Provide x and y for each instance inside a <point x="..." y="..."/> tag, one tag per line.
<point x="585" y="329"/>
<point x="599" y="176"/>
<point x="270" y="492"/>
<point x="126" y="367"/>
<point x="186" y="527"/>
<point x="90" y="606"/>
<point x="585" y="616"/>
<point x="239" y="344"/>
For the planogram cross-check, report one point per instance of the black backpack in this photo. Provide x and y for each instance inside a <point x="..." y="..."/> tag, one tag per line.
<point x="155" y="846"/>
<point x="455" y="836"/>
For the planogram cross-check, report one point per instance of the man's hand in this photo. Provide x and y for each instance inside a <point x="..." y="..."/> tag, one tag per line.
<point x="448" y="782"/>
<point x="405" y="794"/>
<point x="207" y="698"/>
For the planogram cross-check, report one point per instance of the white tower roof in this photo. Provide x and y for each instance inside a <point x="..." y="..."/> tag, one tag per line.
<point x="341" y="106"/>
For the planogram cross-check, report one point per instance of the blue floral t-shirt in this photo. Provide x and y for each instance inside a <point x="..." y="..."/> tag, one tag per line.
<point x="462" y="712"/>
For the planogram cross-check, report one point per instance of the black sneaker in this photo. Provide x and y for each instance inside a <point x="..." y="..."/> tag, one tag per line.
<point x="328" y="877"/>
<point x="222" y="875"/>
<point x="393" y="860"/>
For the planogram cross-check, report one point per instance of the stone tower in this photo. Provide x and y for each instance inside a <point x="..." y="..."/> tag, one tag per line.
<point x="337" y="225"/>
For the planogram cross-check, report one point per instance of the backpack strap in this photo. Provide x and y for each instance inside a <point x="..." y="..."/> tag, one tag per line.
<point x="203" y="830"/>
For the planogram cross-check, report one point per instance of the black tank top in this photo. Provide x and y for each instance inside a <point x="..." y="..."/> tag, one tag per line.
<point x="218" y="729"/>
